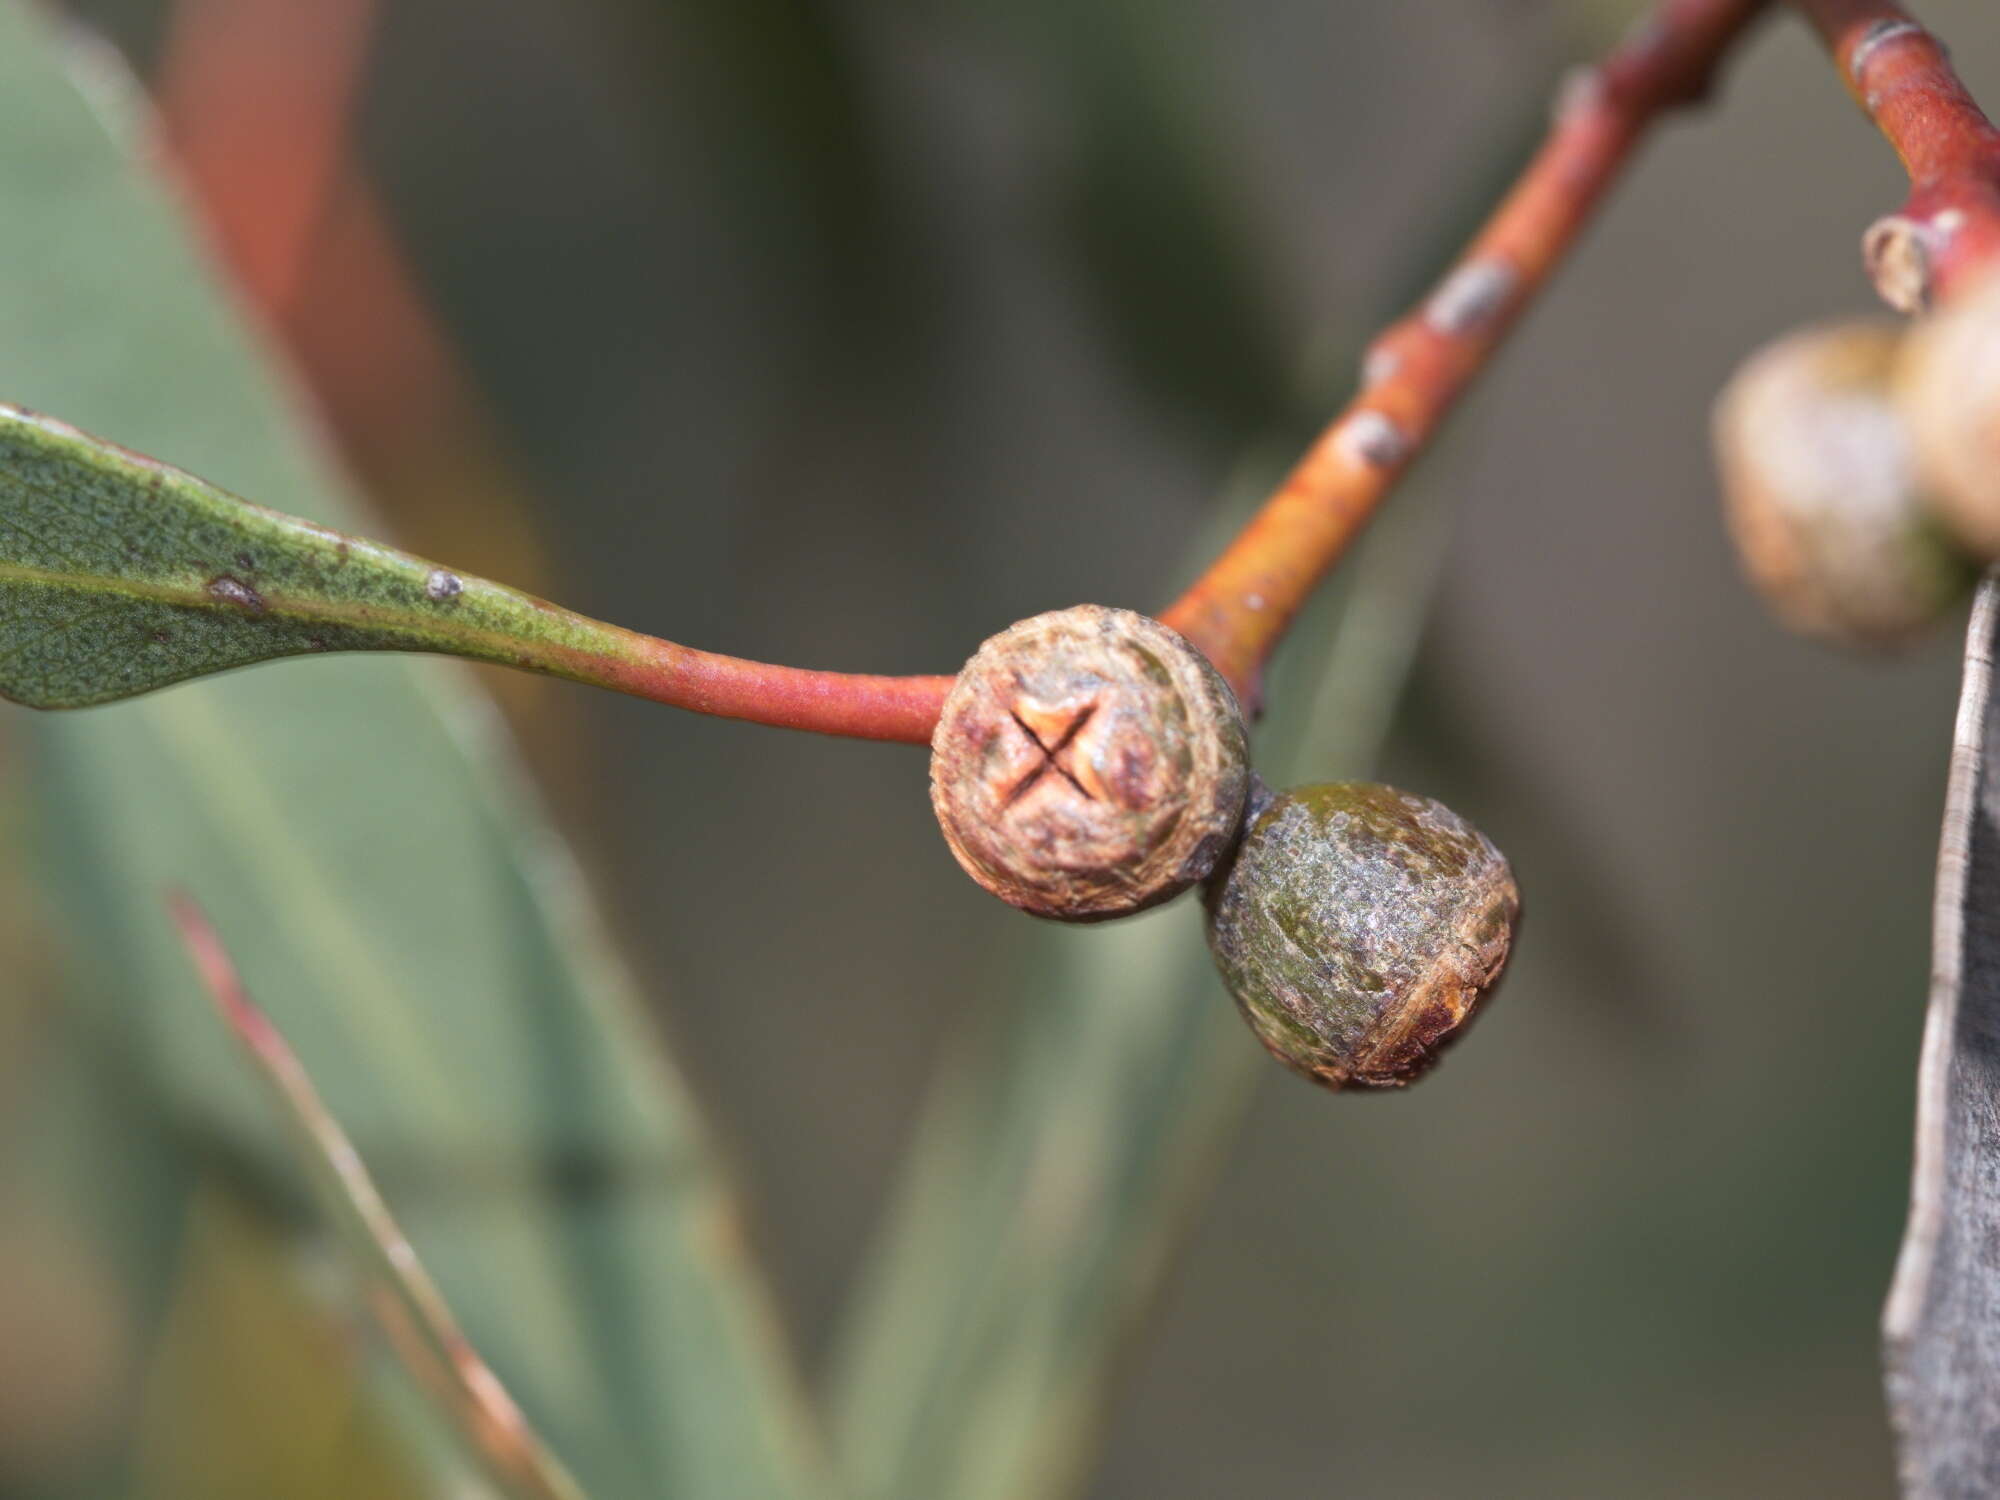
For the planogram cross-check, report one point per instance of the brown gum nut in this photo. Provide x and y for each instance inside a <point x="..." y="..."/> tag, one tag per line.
<point x="1088" y="763"/>
<point x="1821" y="491"/>
<point x="1948" y="388"/>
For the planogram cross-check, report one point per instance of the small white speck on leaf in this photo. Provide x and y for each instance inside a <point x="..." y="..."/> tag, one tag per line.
<point x="1253" y="601"/>
<point x="225" y="589"/>
<point x="442" y="585"/>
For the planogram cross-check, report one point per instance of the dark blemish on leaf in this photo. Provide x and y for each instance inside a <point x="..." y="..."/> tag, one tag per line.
<point x="442" y="585"/>
<point x="227" y="590"/>
<point x="246" y="562"/>
<point x="316" y="642"/>
<point x="161" y="637"/>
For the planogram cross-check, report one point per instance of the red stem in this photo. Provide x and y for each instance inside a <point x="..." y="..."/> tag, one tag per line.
<point x="866" y="708"/>
<point x="256" y="97"/>
<point x="1902" y="77"/>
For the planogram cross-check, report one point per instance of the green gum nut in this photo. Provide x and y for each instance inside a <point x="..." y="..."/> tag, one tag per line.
<point x="1359" y="927"/>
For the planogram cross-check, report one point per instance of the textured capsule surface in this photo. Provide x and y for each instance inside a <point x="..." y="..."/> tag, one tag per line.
<point x="1948" y="384"/>
<point x="1359" y="927"/>
<point x="1089" y="763"/>
<point x="1821" y="489"/>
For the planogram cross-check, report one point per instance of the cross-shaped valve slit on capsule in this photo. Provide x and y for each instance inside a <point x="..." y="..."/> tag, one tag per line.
<point x="1052" y="754"/>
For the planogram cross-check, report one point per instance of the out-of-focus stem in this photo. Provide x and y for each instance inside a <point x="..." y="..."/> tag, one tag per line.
<point x="1239" y="609"/>
<point x="1901" y="75"/>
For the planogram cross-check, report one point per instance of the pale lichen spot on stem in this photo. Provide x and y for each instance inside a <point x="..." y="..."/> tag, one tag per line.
<point x="443" y="585"/>
<point x="1380" y="363"/>
<point x="1373" y="439"/>
<point x="1469" y="297"/>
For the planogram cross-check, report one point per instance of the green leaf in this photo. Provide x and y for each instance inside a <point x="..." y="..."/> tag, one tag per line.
<point x="358" y="827"/>
<point x="120" y="574"/>
<point x="1055" y="1168"/>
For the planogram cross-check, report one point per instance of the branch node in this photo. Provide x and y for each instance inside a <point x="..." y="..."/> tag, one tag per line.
<point x="1872" y="41"/>
<point x="1898" y="252"/>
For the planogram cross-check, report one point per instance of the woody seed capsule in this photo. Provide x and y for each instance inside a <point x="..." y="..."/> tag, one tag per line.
<point x="1088" y="763"/>
<point x="1359" y="928"/>
<point x="1948" y="385"/>
<point x="1822" y="491"/>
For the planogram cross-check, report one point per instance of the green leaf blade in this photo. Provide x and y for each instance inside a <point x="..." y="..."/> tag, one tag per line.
<point x="120" y="574"/>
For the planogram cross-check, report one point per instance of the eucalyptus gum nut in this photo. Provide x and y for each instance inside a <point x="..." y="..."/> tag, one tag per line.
<point x="1359" y="927"/>
<point x="1089" y="763"/>
<point x="1822" y="492"/>
<point x="1948" y="387"/>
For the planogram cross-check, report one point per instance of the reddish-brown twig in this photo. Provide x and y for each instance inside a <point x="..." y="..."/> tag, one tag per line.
<point x="1238" y="610"/>
<point x="1901" y="75"/>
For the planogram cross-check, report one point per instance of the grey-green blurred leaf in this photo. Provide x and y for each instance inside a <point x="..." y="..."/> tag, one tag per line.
<point x="1159" y="229"/>
<point x="358" y="827"/>
<point x="254" y="1391"/>
<point x="1053" y="1173"/>
<point x="407" y="1305"/>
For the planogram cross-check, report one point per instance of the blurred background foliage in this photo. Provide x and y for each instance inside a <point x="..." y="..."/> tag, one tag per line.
<point x="843" y="333"/>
